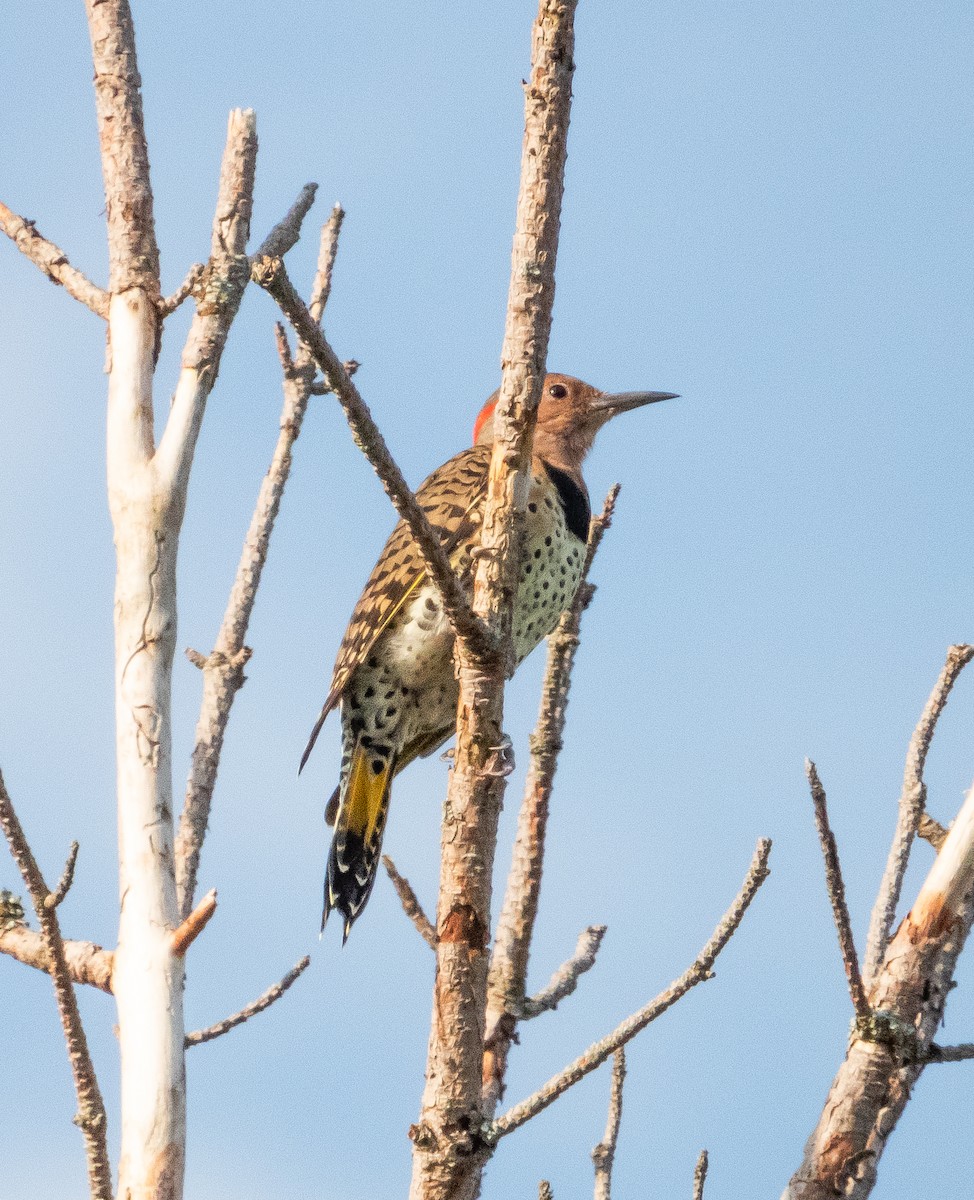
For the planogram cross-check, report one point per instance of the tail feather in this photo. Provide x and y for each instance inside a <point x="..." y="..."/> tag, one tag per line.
<point x="357" y="843"/>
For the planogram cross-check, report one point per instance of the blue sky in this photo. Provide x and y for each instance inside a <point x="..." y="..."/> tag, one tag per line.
<point x="768" y="211"/>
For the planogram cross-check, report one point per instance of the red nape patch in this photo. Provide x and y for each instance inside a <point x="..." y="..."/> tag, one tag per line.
<point x="485" y="414"/>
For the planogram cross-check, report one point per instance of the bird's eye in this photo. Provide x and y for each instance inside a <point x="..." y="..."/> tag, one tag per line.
<point x="558" y="390"/>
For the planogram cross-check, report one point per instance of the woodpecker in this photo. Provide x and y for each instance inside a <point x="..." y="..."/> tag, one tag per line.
<point x="394" y="678"/>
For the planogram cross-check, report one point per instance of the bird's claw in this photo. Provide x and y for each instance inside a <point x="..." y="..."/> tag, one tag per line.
<point x="500" y="759"/>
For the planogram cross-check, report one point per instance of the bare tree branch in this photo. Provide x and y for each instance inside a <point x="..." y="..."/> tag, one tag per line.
<point x="887" y="1053"/>
<point x="950" y="1054"/>
<point x="321" y="287"/>
<point x="700" y="971"/>
<point x="410" y="903"/>
<point x="265" y="1000"/>
<point x="67" y="877"/>
<point x="700" y="1175"/>
<point x="270" y="273"/>
<point x="285" y="234"/>
<point x="604" y="1153"/>
<point x="836" y="890"/>
<point x="220" y="291"/>
<point x="193" y="925"/>
<point x="132" y="251"/>
<point x="52" y="261"/>
<point x="912" y="802"/>
<point x="507" y="976"/>
<point x="91" y="1118"/>
<point x="86" y="962"/>
<point x="449" y="1154"/>
<point x="565" y="979"/>
<point x="194" y="277"/>
<point x="547" y="111"/>
<point x="223" y="670"/>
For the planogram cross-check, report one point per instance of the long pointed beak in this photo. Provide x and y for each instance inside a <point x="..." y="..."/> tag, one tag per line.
<point x="609" y="403"/>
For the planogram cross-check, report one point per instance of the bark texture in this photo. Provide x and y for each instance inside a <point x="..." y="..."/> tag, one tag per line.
<point x="450" y="1146"/>
<point x="888" y="1051"/>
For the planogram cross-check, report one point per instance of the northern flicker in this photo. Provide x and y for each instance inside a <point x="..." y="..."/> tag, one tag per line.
<point x="394" y="677"/>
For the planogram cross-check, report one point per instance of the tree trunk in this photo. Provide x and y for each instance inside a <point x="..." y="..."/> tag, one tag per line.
<point x="147" y="979"/>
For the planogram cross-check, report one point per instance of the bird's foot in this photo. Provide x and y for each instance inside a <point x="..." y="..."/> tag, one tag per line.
<point x="500" y="759"/>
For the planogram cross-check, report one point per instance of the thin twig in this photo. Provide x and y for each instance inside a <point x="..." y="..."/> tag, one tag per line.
<point x="911" y="806"/>
<point x="700" y="1175"/>
<point x="193" y="925"/>
<point x="91" y="1118"/>
<point x="604" y="1153"/>
<point x="285" y="234"/>
<point x="169" y="304"/>
<point x="321" y="388"/>
<point x="86" y="962"/>
<point x="271" y="275"/>
<point x="507" y="977"/>
<point x="327" y="249"/>
<point x="836" y="890"/>
<point x="950" y="1054"/>
<point x="223" y="671"/>
<point x="410" y="903"/>
<point x="52" y="260"/>
<point x="67" y="878"/>
<point x="700" y="971"/>
<point x="263" y="1001"/>
<point x="565" y="980"/>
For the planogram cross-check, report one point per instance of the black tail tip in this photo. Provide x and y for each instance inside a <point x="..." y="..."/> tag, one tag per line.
<point x="348" y="919"/>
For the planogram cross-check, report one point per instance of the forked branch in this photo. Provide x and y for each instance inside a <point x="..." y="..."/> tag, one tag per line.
<point x="699" y="971"/>
<point x="907" y="995"/>
<point x="91" y="1118"/>
<point x="911" y="810"/>
<point x="223" y="670"/>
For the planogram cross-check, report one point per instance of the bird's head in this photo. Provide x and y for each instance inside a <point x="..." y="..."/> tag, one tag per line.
<point x="570" y="414"/>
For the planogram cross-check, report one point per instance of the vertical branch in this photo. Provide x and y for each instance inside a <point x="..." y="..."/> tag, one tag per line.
<point x="700" y="1175"/>
<point x="219" y="294"/>
<point x="547" y="105"/>
<point x="836" y="890"/>
<point x="223" y="671"/>
<point x="507" y="977"/>
<point x="132" y="251"/>
<point x="887" y="1054"/>
<point x="449" y="1153"/>
<point x="913" y="799"/>
<point x="147" y="978"/>
<point x="91" y="1118"/>
<point x="604" y="1153"/>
